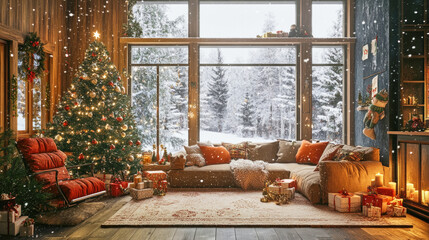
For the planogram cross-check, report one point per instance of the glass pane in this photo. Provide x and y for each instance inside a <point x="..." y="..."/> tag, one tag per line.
<point x="242" y="103"/>
<point x="414" y="43"/>
<point x="159" y="55"/>
<point x="162" y="19"/>
<point x="22" y="97"/>
<point x="327" y="55"/>
<point x="413" y="12"/>
<point x="223" y="19"/>
<point x="328" y="19"/>
<point x="37" y="100"/>
<point x="327" y="97"/>
<point x="425" y="177"/>
<point x="413" y="168"/>
<point x="173" y="107"/>
<point x="249" y="55"/>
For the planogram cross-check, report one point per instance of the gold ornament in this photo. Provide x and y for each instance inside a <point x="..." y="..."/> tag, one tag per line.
<point x="123" y="134"/>
<point x="131" y="127"/>
<point x="87" y="108"/>
<point x="92" y="94"/>
<point x="103" y="97"/>
<point x="104" y="88"/>
<point x="58" y="138"/>
<point x="90" y="114"/>
<point x="102" y="104"/>
<point x="94" y="81"/>
<point x="107" y="127"/>
<point x="124" y="127"/>
<point x="131" y="158"/>
<point x="123" y="90"/>
<point x="73" y="95"/>
<point x="128" y="166"/>
<point x="118" y="89"/>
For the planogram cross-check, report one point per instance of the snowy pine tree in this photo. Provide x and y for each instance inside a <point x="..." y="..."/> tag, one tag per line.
<point x="247" y="112"/>
<point x="218" y="93"/>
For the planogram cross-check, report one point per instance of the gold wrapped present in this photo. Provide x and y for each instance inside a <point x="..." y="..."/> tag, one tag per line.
<point x="139" y="194"/>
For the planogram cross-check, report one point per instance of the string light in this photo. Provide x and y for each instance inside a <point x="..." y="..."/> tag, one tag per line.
<point x="96" y="35"/>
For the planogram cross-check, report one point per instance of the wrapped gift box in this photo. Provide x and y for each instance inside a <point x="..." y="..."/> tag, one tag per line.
<point x="11" y="215"/>
<point x="104" y="177"/>
<point x="331" y="199"/>
<point x="396" y="202"/>
<point x="274" y="189"/>
<point x="137" y="179"/>
<point x="371" y="211"/>
<point x="138" y="194"/>
<point x="116" y="188"/>
<point x="399" y="211"/>
<point x="368" y="199"/>
<point x="349" y="203"/>
<point x="148" y="183"/>
<point x="155" y="176"/>
<point x="286" y="183"/>
<point x="382" y="201"/>
<point x="26" y="231"/>
<point x="13" y="227"/>
<point x="140" y="185"/>
<point x="386" y="191"/>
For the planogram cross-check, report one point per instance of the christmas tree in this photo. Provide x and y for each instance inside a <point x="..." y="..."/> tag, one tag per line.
<point x="94" y="120"/>
<point x="246" y="115"/>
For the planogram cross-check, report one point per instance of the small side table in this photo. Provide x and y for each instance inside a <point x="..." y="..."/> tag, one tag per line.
<point x="155" y="167"/>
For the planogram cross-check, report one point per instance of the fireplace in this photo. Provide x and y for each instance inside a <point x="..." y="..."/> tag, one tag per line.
<point x="412" y="170"/>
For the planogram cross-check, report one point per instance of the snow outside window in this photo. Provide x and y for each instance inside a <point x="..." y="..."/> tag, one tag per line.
<point x="247" y="93"/>
<point x="328" y="19"/>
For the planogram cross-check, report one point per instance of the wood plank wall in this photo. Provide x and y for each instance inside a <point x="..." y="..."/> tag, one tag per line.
<point x="47" y="18"/>
<point x="83" y="18"/>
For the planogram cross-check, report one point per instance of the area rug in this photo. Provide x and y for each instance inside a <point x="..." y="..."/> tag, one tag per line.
<point x="236" y="208"/>
<point x="70" y="216"/>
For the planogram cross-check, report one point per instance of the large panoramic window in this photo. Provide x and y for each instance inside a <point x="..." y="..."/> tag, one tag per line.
<point x="245" y="19"/>
<point x="159" y="92"/>
<point x="247" y="93"/>
<point x="162" y="19"/>
<point x="328" y="19"/>
<point x="328" y="75"/>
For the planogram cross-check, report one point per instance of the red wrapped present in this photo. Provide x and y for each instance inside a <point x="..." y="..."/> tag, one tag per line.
<point x="386" y="191"/>
<point x="368" y="199"/>
<point x="382" y="201"/>
<point x="156" y="177"/>
<point x="163" y="186"/>
<point x="117" y="187"/>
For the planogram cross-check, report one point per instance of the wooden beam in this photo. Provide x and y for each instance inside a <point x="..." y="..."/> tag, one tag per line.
<point x="193" y="18"/>
<point x="194" y="97"/>
<point x="305" y="85"/>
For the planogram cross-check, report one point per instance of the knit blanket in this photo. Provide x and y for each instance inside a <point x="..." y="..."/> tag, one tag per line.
<point x="250" y="175"/>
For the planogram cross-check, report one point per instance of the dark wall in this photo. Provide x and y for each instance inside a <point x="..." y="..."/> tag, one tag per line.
<point x="373" y="18"/>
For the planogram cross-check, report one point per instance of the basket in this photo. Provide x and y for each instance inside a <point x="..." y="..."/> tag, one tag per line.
<point x="139" y="194"/>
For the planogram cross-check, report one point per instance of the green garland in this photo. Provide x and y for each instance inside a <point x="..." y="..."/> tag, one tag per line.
<point x="32" y="45"/>
<point x="48" y="96"/>
<point x="13" y="97"/>
<point x="132" y="28"/>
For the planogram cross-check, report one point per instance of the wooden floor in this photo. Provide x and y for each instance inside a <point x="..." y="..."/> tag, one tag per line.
<point x="90" y="229"/>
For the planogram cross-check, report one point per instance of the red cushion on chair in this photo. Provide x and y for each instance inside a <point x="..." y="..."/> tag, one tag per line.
<point x="78" y="188"/>
<point x="48" y="160"/>
<point x="36" y="145"/>
<point x="49" y="177"/>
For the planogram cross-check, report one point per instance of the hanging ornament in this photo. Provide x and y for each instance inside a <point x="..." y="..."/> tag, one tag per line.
<point x="87" y="108"/>
<point x="138" y="143"/>
<point x="81" y="157"/>
<point x="90" y="114"/>
<point x="108" y="127"/>
<point x="94" y="81"/>
<point x="67" y="108"/>
<point x="117" y="89"/>
<point x="103" y="118"/>
<point x="124" y="127"/>
<point x="123" y="134"/>
<point x="123" y="90"/>
<point x="76" y="103"/>
<point x="103" y="96"/>
<point x="102" y="104"/>
<point x="123" y="149"/>
<point x="131" y="158"/>
<point x="92" y="94"/>
<point x="58" y="138"/>
<point x="72" y="87"/>
<point x="94" y="142"/>
<point x="119" y="159"/>
<point x="104" y="88"/>
<point x="119" y="78"/>
<point x="119" y="119"/>
<point x="112" y="147"/>
<point x="130" y="143"/>
<point x="93" y="54"/>
<point x="131" y="127"/>
<point x="68" y="141"/>
<point x="73" y="95"/>
<point x="84" y="77"/>
<point x="111" y="84"/>
<point x="65" y="123"/>
<point x="128" y="166"/>
<point x="112" y="115"/>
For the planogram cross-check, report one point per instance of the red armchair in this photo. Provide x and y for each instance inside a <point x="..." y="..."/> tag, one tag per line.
<point x="47" y="164"/>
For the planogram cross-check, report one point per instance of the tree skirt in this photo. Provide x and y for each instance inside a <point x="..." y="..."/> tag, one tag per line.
<point x="236" y="208"/>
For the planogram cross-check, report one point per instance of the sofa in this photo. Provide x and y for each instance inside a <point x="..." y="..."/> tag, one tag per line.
<point x="331" y="176"/>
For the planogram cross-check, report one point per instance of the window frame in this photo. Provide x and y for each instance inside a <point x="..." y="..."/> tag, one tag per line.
<point x="303" y="65"/>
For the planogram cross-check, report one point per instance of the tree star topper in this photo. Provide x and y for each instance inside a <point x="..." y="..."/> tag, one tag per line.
<point x="96" y="35"/>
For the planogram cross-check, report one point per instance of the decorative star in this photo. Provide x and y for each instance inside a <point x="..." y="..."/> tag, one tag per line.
<point x="96" y="35"/>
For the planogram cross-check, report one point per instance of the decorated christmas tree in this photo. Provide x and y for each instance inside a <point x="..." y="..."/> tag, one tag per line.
<point x="94" y="120"/>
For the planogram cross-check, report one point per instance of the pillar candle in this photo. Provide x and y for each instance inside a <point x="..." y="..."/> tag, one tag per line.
<point x="393" y="185"/>
<point x="378" y="180"/>
<point x="427" y="196"/>
<point x="372" y="182"/>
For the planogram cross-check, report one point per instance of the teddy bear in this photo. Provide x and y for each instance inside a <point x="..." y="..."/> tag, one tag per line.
<point x="375" y="113"/>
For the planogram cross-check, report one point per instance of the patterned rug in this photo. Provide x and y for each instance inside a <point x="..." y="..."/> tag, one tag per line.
<point x="236" y="208"/>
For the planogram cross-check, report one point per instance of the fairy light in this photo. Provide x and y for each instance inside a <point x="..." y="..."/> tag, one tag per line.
<point x="96" y="35"/>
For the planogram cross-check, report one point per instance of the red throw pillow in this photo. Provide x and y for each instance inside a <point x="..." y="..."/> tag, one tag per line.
<point x="310" y="152"/>
<point x="215" y="155"/>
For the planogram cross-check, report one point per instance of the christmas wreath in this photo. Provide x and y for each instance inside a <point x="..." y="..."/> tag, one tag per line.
<point x="415" y="124"/>
<point x="32" y="46"/>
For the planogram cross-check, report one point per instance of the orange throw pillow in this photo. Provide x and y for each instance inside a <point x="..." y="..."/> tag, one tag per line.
<point x="215" y="155"/>
<point x="310" y="152"/>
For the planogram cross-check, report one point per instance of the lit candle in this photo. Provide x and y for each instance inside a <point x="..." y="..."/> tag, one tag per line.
<point x="378" y="180"/>
<point x="393" y="185"/>
<point x="372" y="182"/>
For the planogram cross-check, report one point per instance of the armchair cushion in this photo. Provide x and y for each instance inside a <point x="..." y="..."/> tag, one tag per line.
<point x="77" y="188"/>
<point x="49" y="177"/>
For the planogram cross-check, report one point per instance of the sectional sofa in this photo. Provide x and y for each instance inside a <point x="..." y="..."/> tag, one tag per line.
<point x="332" y="176"/>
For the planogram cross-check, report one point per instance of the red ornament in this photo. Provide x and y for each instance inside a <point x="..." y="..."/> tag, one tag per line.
<point x="103" y="118"/>
<point x="138" y="143"/>
<point x="119" y="119"/>
<point x="65" y="123"/>
<point x="94" y="142"/>
<point x="67" y="108"/>
<point x="123" y="149"/>
<point x="93" y="54"/>
<point x="119" y="78"/>
<point x="112" y="147"/>
<point x="81" y="157"/>
<point x="130" y="143"/>
<point x="76" y="103"/>
<point x="111" y="84"/>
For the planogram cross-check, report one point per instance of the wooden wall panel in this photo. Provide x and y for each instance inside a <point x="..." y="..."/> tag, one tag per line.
<point x="85" y="17"/>
<point x="47" y="18"/>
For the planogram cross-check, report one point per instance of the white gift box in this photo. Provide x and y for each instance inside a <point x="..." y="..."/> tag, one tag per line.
<point x="286" y="183"/>
<point x="12" y="216"/>
<point x="350" y="203"/>
<point x="331" y="199"/>
<point x="371" y="211"/>
<point x="27" y="231"/>
<point x="399" y="211"/>
<point x="13" y="227"/>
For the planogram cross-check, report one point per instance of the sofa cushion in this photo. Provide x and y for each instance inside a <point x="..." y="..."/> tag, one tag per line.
<point x="329" y="153"/>
<point x="195" y="159"/>
<point x="49" y="177"/>
<point x="277" y="170"/>
<point x="193" y="149"/>
<point x="77" y="188"/>
<point x="210" y="176"/>
<point x="266" y="152"/>
<point x="287" y="151"/>
<point x="236" y="151"/>
<point x="310" y="152"/>
<point x="369" y="153"/>
<point x="215" y="155"/>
